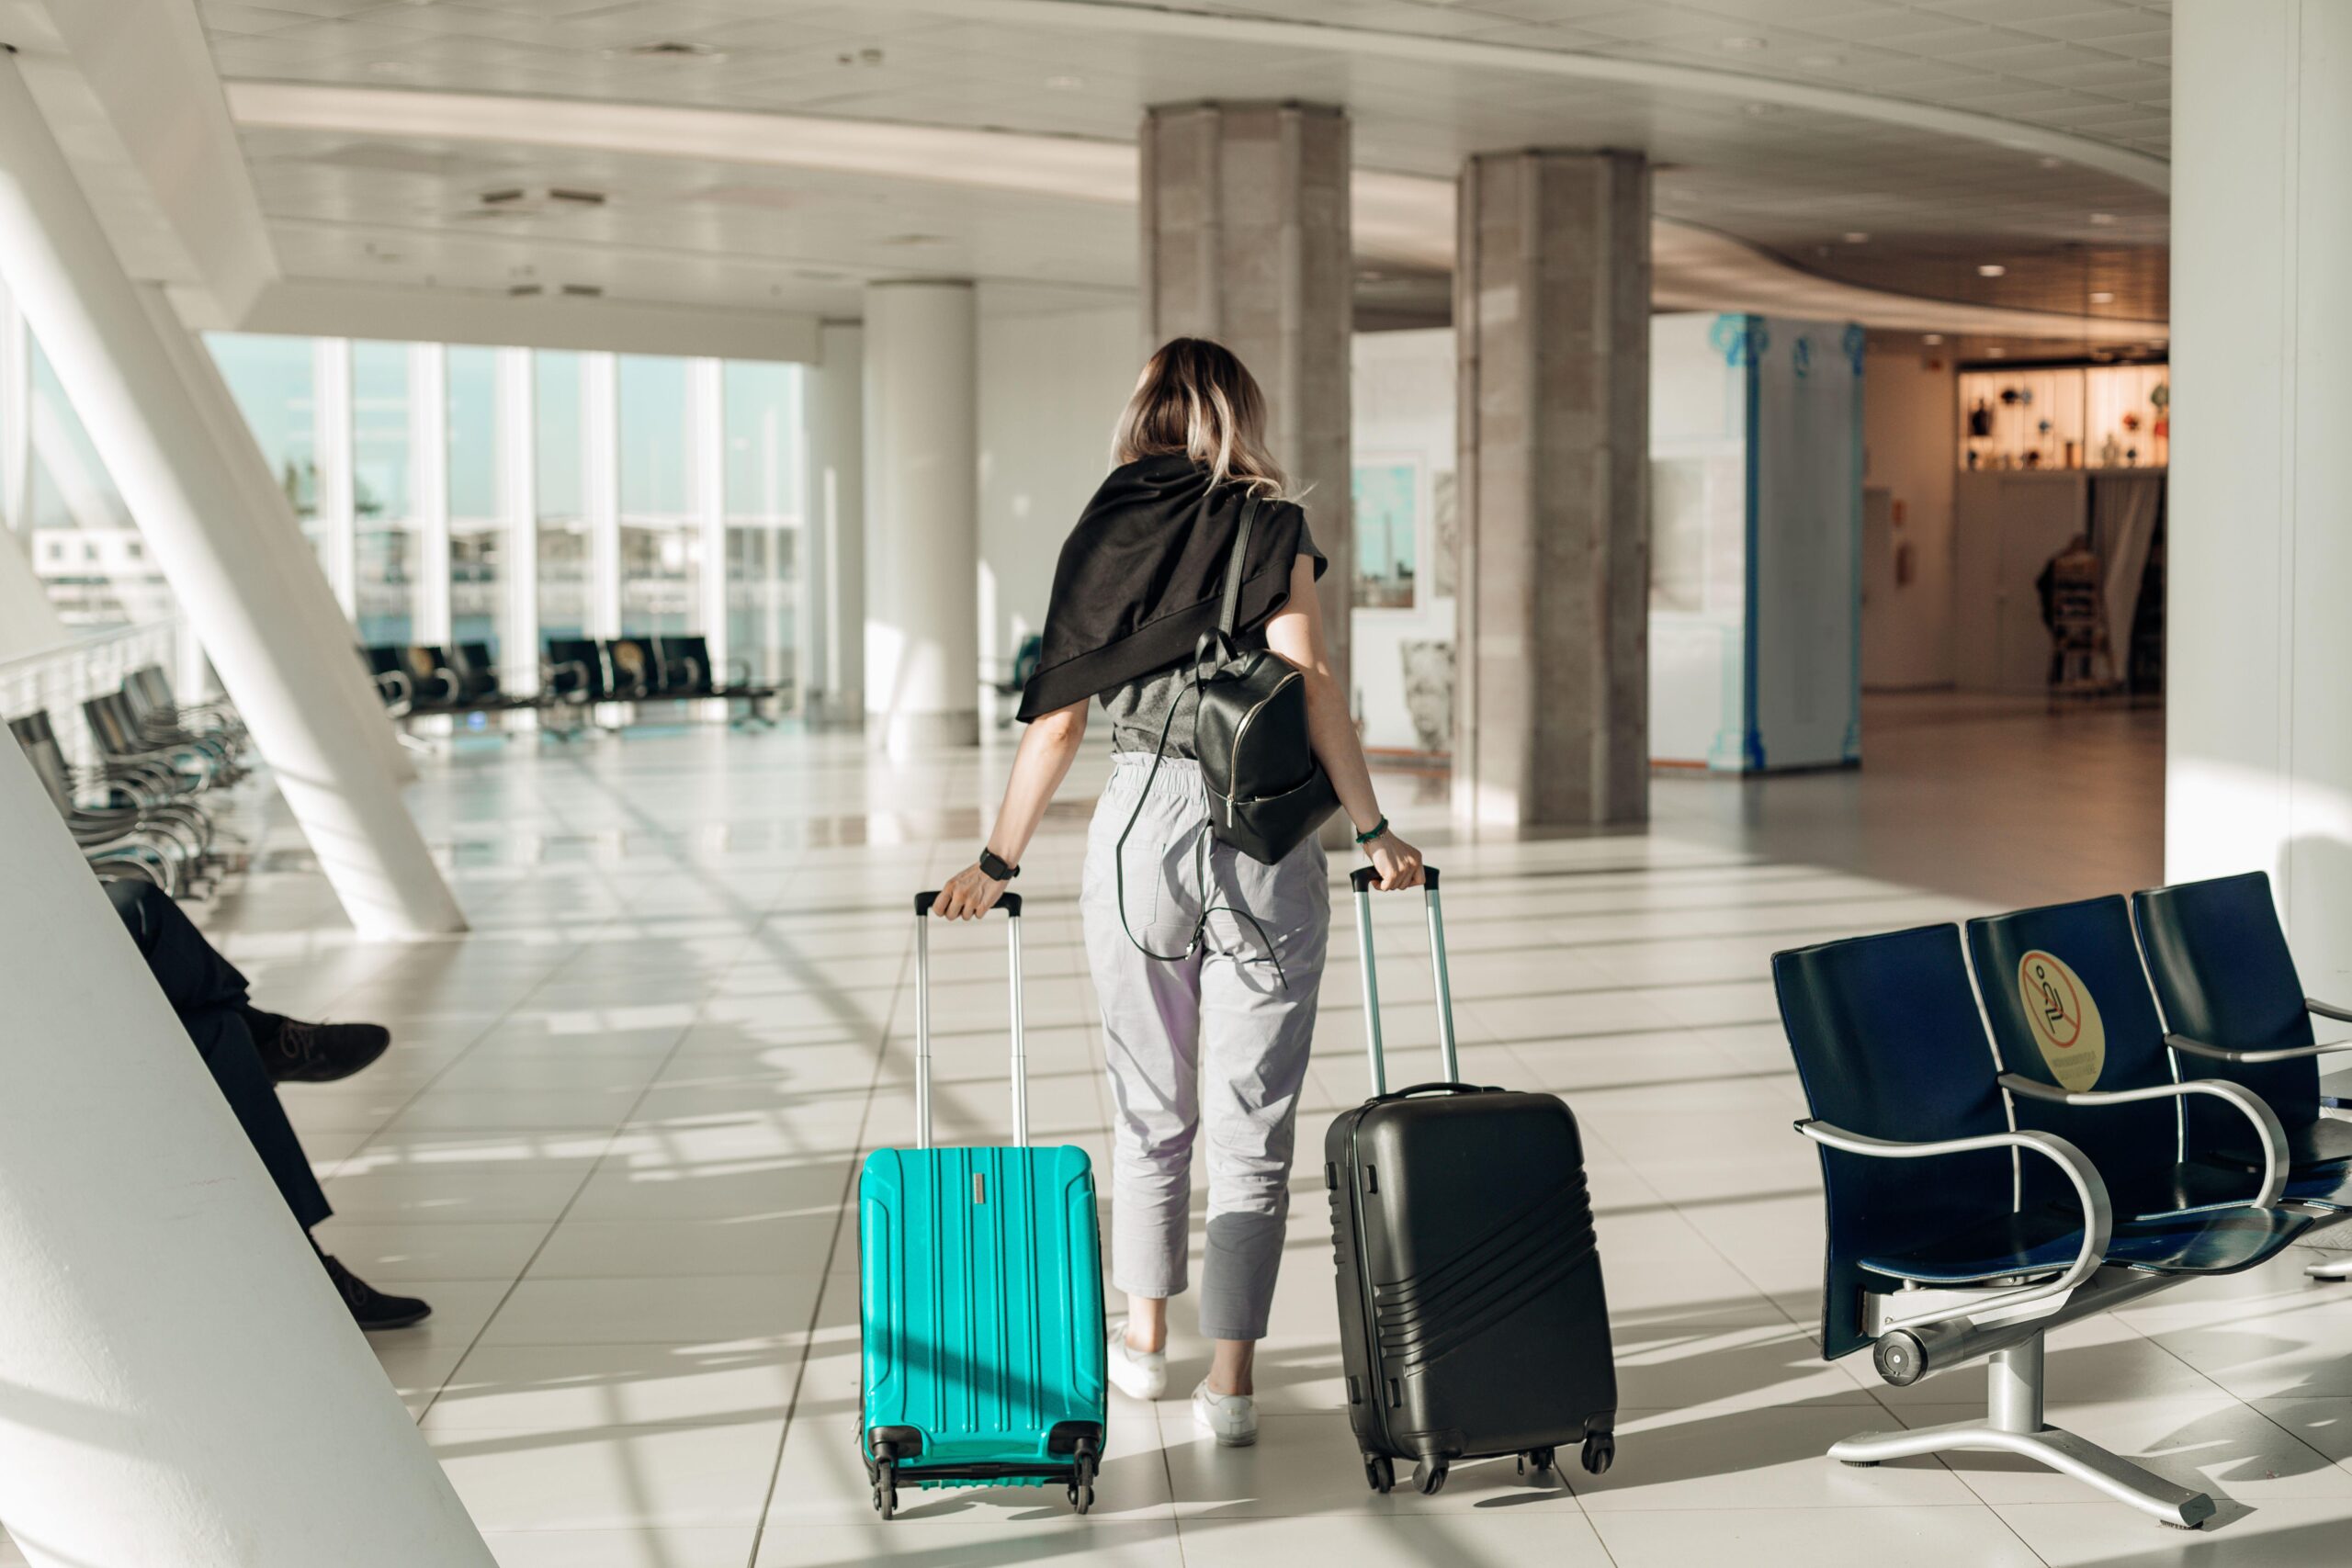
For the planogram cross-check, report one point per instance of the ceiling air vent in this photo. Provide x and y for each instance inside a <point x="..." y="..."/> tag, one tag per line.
<point x="575" y="195"/>
<point x="583" y="291"/>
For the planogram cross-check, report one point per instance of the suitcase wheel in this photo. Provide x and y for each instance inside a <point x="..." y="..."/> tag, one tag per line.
<point x="1428" y="1475"/>
<point x="1600" y="1448"/>
<point x="886" y="1487"/>
<point x="1380" y="1473"/>
<point x="1539" y="1461"/>
<point x="1081" y="1484"/>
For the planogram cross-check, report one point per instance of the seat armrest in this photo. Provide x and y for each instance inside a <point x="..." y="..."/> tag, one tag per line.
<point x="2193" y="1047"/>
<point x="2329" y="1009"/>
<point x="2098" y="1213"/>
<point x="2257" y="1110"/>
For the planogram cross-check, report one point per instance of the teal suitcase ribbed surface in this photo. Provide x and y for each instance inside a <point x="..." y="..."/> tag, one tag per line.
<point x="981" y="1291"/>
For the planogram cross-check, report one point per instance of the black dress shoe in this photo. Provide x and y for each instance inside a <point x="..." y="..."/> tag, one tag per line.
<point x="295" y="1052"/>
<point x="371" y="1308"/>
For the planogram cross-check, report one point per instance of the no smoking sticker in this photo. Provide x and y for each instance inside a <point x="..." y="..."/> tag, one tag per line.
<point x="2064" y="1020"/>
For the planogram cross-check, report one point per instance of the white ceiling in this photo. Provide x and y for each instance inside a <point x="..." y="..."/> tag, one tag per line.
<point x="1951" y="132"/>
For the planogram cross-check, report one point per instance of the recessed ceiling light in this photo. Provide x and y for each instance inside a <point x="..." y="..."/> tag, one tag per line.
<point x="1857" y="237"/>
<point x="2102" y="296"/>
<point x="674" y="49"/>
<point x="1991" y="269"/>
<point x="1759" y="110"/>
<point x="1745" y="44"/>
<point x="1063" y="83"/>
<point x="2049" y="163"/>
<point x="2102" y="219"/>
<point x="1931" y="339"/>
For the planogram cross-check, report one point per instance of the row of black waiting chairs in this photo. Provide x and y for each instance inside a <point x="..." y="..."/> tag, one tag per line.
<point x="577" y="673"/>
<point x="2146" y="1110"/>
<point x="137" y="811"/>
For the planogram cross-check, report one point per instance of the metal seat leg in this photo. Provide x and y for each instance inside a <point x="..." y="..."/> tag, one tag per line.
<point x="2014" y="1425"/>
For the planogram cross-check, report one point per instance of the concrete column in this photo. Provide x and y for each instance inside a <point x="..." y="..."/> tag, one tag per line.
<point x="293" y="691"/>
<point x="1245" y="241"/>
<point x="832" y="677"/>
<point x="238" y="1422"/>
<point x="922" y="518"/>
<point x="1551" y="314"/>
<point x="2258" y="753"/>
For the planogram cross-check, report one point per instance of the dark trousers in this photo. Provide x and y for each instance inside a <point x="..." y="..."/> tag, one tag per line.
<point x="209" y="994"/>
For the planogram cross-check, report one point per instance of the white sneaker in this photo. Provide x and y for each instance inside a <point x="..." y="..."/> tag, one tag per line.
<point x="1140" y="1374"/>
<point x="1230" y="1418"/>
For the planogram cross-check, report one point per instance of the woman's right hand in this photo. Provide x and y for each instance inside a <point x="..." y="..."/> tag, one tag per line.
<point x="1398" y="863"/>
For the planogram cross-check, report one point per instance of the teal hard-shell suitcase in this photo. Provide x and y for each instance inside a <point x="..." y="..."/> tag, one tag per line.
<point x="980" y="1297"/>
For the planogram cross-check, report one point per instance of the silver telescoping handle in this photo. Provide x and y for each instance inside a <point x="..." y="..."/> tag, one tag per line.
<point x="1362" y="880"/>
<point x="1011" y="904"/>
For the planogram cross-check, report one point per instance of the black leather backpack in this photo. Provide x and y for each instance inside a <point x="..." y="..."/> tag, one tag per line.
<point x="1267" y="792"/>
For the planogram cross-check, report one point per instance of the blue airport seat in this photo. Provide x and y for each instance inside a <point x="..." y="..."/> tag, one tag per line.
<point x="1953" y="1236"/>
<point x="2237" y="1011"/>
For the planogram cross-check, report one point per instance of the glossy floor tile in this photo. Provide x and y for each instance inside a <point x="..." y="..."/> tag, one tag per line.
<point x="617" y="1146"/>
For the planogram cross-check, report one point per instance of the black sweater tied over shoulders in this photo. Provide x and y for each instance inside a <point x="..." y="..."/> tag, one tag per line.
<point x="1142" y="575"/>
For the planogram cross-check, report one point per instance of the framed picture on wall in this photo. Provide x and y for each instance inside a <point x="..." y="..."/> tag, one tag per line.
<point x="1387" y="494"/>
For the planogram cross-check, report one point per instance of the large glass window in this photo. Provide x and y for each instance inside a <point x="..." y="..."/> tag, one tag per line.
<point x="562" y="523"/>
<point x="86" y="548"/>
<point x="386" y="554"/>
<point x="763" y="532"/>
<point x="273" y="381"/>
<point x="477" y="532"/>
<point x="661" y="544"/>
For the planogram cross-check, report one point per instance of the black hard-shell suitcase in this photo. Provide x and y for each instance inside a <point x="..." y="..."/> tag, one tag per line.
<point x="1472" y="1322"/>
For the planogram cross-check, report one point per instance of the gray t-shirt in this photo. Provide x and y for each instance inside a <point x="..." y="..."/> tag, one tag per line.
<point x="1139" y="709"/>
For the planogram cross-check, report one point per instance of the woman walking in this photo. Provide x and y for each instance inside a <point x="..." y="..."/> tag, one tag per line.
<point x="1207" y="1031"/>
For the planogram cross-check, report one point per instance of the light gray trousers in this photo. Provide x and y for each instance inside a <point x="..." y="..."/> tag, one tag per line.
<point x="1213" y="1044"/>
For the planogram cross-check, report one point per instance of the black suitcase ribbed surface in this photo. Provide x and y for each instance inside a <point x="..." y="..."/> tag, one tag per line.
<point x="1472" y="1319"/>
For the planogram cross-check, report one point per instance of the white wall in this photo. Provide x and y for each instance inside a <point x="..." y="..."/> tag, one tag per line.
<point x="1910" y="449"/>
<point x="1051" y="389"/>
<point x="2257" y="755"/>
<point x="1403" y="416"/>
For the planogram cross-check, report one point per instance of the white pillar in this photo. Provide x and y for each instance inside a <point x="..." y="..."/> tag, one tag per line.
<point x="2257" y="752"/>
<point x="122" y="377"/>
<point x="336" y="498"/>
<point x="922" y="521"/>
<point x="242" y="1423"/>
<point x="518" y="509"/>
<point x="832" y="672"/>
<point x="600" y="488"/>
<point x="15" y="417"/>
<point x="706" y="493"/>
<point x="428" y="449"/>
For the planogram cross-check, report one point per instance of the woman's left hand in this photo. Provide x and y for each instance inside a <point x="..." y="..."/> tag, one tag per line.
<point x="968" y="895"/>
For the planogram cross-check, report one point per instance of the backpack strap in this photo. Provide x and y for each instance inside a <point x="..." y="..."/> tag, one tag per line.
<point x="1236" y="569"/>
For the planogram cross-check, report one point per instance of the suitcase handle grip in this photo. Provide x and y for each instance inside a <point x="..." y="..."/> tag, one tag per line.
<point x="1437" y="1088"/>
<point x="1011" y="904"/>
<point x="1008" y="902"/>
<point x="1362" y="880"/>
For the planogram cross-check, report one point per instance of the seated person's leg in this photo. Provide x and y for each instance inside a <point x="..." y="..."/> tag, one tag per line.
<point x="194" y="973"/>
<point x="209" y="995"/>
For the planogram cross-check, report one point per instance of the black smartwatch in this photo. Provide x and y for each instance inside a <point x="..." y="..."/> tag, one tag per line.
<point x="992" y="866"/>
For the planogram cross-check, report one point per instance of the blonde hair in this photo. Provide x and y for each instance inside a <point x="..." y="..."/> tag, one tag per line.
<point x="1197" y="398"/>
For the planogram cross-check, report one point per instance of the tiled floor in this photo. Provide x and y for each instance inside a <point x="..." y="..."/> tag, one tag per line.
<point x="615" y="1140"/>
